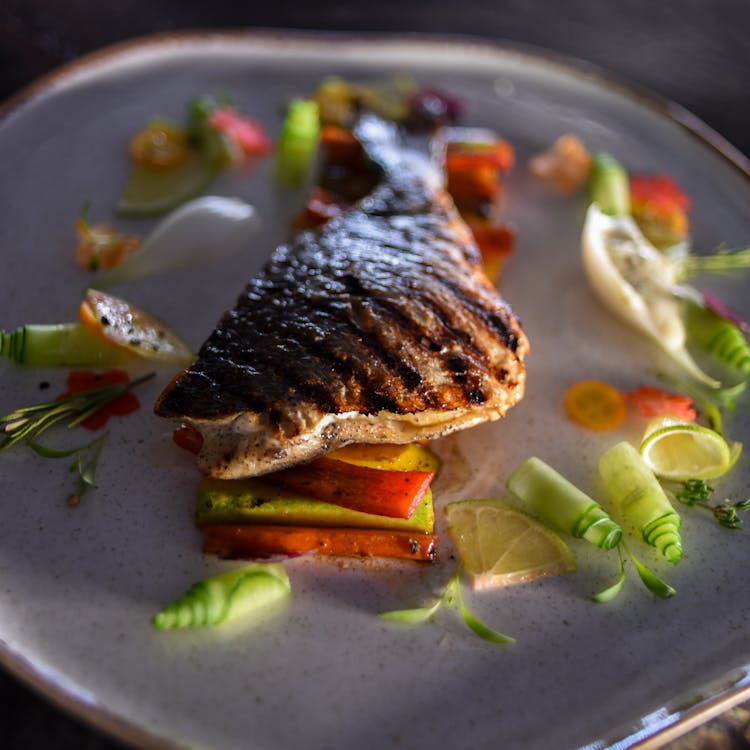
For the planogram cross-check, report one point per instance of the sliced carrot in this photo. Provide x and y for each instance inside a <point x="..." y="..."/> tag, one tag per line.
<point x="482" y="183"/>
<point x="498" y="155"/>
<point x="595" y="405"/>
<point x="384" y="493"/>
<point x="654" y="402"/>
<point x="254" y="541"/>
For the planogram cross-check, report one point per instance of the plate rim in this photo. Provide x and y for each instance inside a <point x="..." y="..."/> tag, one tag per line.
<point x="691" y="710"/>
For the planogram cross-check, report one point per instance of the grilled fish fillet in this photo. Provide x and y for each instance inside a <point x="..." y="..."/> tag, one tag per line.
<point x="378" y="327"/>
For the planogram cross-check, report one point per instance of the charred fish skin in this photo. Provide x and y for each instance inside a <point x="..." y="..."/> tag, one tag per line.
<point x="380" y="326"/>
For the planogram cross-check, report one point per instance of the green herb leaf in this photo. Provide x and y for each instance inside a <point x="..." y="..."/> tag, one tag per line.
<point x="650" y="580"/>
<point x="608" y="594"/>
<point x="418" y="614"/>
<point x="477" y="626"/>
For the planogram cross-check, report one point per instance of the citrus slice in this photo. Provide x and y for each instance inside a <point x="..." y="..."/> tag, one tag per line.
<point x="500" y="545"/>
<point x="677" y="450"/>
<point x="125" y="326"/>
<point x="595" y="405"/>
<point x="152" y="191"/>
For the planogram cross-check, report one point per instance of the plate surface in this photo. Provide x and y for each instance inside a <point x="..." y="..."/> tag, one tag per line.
<point x="78" y="586"/>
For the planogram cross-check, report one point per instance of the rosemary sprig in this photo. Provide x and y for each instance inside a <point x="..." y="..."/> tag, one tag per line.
<point x="27" y="422"/>
<point x="698" y="493"/>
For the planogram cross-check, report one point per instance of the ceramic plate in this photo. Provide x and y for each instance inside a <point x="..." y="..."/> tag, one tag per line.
<point x="79" y="585"/>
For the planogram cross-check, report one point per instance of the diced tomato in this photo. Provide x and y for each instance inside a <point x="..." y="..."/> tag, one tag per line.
<point x="188" y="438"/>
<point x="102" y="246"/>
<point x="654" y="402"/>
<point x="660" y="208"/>
<point x="246" y="133"/>
<point x="84" y="380"/>
<point x="257" y="541"/>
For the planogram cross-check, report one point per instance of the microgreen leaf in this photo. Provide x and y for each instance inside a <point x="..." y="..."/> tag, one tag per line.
<point x="608" y="594"/>
<point x="650" y="580"/>
<point x="418" y="614"/>
<point x="473" y="623"/>
<point x="450" y="595"/>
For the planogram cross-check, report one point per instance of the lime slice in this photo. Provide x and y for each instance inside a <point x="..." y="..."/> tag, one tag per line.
<point x="500" y="545"/>
<point x="149" y="192"/>
<point x="677" y="450"/>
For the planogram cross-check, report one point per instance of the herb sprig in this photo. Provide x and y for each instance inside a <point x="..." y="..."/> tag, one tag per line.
<point x="28" y="422"/>
<point x="698" y="493"/>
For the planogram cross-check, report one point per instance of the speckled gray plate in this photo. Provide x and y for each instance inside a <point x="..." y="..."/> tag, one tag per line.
<point x="78" y="586"/>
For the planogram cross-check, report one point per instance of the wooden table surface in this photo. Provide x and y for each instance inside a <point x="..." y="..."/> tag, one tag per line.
<point x="695" y="52"/>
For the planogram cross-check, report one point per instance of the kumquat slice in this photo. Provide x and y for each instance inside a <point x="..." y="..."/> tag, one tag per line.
<point x="595" y="405"/>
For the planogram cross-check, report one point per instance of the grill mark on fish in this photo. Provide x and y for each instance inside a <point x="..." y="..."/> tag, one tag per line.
<point x="384" y="310"/>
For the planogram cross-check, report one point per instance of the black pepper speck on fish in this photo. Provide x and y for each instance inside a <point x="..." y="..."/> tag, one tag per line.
<point x="378" y="327"/>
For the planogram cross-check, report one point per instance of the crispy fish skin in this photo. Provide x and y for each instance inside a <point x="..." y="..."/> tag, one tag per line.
<point x="378" y="327"/>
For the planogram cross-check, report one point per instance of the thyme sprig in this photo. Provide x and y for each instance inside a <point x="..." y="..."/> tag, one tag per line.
<point x="698" y="493"/>
<point x="27" y="422"/>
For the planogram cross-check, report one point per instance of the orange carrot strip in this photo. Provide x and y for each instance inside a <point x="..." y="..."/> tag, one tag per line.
<point x="253" y="541"/>
<point x="499" y="155"/>
<point x="482" y="183"/>
<point x="384" y="493"/>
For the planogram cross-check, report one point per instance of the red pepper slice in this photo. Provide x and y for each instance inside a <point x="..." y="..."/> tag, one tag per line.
<point x="384" y="493"/>
<point x="84" y="380"/>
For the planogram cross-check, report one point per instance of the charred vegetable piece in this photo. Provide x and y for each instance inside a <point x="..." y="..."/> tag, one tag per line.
<point x="383" y="493"/>
<point x="226" y="596"/>
<point x="251" y="541"/>
<point x="254" y="501"/>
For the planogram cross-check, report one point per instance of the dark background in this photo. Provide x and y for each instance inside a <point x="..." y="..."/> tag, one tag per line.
<point x="694" y="52"/>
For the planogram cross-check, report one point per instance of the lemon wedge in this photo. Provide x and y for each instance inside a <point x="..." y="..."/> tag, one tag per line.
<point x="677" y="450"/>
<point x="500" y="545"/>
